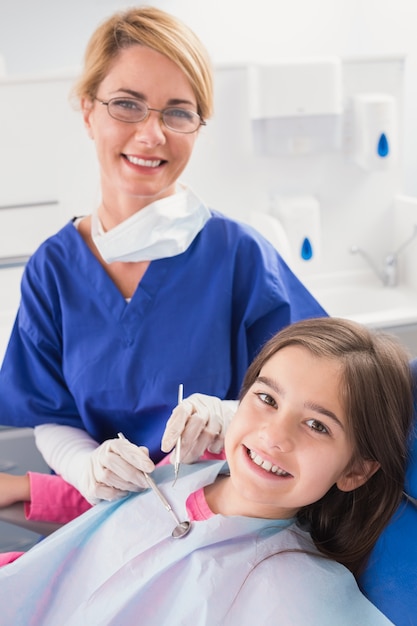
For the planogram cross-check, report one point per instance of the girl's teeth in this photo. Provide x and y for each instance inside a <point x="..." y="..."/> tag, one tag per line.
<point x="266" y="465"/>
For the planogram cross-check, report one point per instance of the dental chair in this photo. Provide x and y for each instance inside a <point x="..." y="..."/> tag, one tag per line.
<point x="14" y="514"/>
<point x="390" y="579"/>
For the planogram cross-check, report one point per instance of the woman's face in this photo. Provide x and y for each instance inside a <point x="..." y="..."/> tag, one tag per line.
<point x="140" y="161"/>
<point x="288" y="443"/>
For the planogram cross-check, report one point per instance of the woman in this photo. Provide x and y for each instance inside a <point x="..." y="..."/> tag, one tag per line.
<point x="151" y="290"/>
<point x="315" y="468"/>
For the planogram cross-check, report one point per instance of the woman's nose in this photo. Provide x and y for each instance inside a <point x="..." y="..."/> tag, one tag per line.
<point x="151" y="129"/>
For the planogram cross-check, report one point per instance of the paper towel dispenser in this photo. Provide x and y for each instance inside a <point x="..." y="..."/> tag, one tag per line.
<point x="295" y="106"/>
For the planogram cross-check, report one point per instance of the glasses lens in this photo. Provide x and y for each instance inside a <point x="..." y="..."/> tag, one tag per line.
<point x="181" y="120"/>
<point x="127" y="109"/>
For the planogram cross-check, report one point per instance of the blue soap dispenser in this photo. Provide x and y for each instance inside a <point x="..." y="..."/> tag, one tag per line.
<point x="375" y="130"/>
<point x="300" y="217"/>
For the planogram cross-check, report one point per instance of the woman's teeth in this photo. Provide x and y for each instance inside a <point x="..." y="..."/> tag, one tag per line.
<point x="143" y="162"/>
<point x="267" y="465"/>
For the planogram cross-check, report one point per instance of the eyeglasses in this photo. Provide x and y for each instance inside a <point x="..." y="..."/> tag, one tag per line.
<point x="132" y="110"/>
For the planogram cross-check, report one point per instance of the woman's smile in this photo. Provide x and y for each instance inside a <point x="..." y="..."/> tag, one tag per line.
<point x="152" y="163"/>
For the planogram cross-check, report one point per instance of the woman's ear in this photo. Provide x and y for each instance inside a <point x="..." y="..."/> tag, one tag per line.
<point x="86" y="108"/>
<point x="358" y="475"/>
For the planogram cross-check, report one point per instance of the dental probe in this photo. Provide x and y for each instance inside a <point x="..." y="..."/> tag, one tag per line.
<point x="181" y="528"/>
<point x="178" y="445"/>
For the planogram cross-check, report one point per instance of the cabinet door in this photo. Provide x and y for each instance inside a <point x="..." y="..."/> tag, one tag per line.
<point x="45" y="153"/>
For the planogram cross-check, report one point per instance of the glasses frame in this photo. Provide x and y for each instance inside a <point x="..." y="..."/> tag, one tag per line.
<point x="148" y="110"/>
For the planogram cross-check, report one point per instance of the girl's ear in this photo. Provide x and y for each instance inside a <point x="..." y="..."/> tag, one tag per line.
<point x="86" y="108"/>
<point x="357" y="476"/>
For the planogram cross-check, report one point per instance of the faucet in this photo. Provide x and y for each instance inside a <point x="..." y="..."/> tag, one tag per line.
<point x="389" y="273"/>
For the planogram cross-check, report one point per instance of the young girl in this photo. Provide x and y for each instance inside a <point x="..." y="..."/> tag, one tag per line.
<point x="316" y="457"/>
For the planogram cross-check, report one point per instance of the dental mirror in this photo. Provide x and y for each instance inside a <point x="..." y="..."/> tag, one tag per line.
<point x="182" y="528"/>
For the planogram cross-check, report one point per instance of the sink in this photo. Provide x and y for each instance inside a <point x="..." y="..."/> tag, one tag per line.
<point x="365" y="300"/>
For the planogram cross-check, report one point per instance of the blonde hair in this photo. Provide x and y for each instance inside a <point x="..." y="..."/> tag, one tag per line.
<point x="151" y="27"/>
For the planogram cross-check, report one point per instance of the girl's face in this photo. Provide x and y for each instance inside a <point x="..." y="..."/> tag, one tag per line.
<point x="140" y="161"/>
<point x="288" y="442"/>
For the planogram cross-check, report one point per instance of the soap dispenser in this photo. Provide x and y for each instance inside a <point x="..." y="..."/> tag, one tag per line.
<point x="375" y="130"/>
<point x="300" y="217"/>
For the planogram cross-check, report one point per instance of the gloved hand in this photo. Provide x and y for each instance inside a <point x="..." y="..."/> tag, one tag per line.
<point x="100" y="472"/>
<point x="202" y="422"/>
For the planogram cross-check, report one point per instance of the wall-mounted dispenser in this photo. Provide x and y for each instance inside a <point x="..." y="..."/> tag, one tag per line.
<point x="295" y="106"/>
<point x="375" y="130"/>
<point x="300" y="218"/>
<point x="273" y="230"/>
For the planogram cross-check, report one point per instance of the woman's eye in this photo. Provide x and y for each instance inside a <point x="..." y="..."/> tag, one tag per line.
<point x="317" y="426"/>
<point x="132" y="105"/>
<point x="179" y="113"/>
<point x="267" y="399"/>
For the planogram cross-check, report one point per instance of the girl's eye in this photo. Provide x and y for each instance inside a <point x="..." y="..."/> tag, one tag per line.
<point x="318" y="426"/>
<point x="267" y="399"/>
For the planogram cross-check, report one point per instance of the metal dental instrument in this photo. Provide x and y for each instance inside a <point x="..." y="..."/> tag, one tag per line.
<point x="181" y="528"/>
<point x="177" y="461"/>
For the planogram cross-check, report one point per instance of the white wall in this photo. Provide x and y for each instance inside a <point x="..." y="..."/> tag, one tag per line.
<point x="48" y="35"/>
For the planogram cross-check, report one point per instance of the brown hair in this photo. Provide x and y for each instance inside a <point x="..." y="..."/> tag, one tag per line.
<point x="377" y="396"/>
<point x="151" y="27"/>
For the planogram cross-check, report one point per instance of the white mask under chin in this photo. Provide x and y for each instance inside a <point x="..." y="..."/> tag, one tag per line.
<point x="162" y="229"/>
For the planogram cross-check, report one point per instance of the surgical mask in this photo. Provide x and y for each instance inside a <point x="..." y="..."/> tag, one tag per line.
<point x="162" y="229"/>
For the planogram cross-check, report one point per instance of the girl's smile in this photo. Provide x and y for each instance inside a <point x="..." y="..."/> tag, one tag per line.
<point x="288" y="443"/>
<point x="266" y="465"/>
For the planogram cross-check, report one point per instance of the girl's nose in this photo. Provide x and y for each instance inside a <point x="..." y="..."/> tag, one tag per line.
<point x="279" y="433"/>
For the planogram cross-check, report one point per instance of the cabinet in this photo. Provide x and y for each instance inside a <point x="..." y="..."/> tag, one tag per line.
<point x="47" y="161"/>
<point x="48" y="174"/>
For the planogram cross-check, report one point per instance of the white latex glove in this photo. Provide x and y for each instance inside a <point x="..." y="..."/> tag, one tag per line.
<point x="100" y="472"/>
<point x="202" y="422"/>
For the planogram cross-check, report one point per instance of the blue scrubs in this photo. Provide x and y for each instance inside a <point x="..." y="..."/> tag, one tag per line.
<point x="80" y="355"/>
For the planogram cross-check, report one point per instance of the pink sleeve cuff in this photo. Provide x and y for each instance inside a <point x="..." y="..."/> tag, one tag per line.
<point x="53" y="499"/>
<point x="9" y="557"/>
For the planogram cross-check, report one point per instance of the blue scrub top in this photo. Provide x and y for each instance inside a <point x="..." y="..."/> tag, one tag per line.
<point x="80" y="355"/>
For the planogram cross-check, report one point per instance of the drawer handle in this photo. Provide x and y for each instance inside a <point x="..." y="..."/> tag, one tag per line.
<point x="27" y="205"/>
<point x="14" y="261"/>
